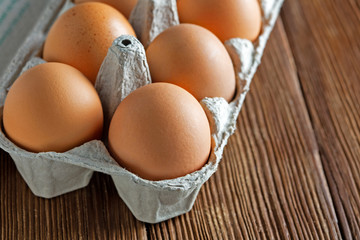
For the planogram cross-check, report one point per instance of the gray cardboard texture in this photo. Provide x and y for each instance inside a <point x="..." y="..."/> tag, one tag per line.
<point x="123" y="70"/>
<point x="151" y="17"/>
<point x="26" y="35"/>
<point x="17" y="19"/>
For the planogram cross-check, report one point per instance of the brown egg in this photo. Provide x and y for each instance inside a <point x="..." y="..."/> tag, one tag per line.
<point x="52" y="107"/>
<point x="226" y="18"/>
<point x="160" y="132"/>
<point x="193" y="58"/>
<point x="123" y="6"/>
<point x="82" y="35"/>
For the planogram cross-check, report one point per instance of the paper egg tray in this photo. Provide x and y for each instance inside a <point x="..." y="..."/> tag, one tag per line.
<point x="49" y="174"/>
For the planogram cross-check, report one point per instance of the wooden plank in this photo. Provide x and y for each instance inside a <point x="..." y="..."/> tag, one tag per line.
<point x="324" y="37"/>
<point x="94" y="212"/>
<point x="270" y="183"/>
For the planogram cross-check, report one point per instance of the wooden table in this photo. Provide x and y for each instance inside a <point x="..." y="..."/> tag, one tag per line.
<point x="291" y="170"/>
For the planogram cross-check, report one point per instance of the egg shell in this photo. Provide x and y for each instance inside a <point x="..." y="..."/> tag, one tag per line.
<point x="193" y="58"/>
<point x="149" y="201"/>
<point x="226" y="19"/>
<point x="52" y="107"/>
<point x="174" y="139"/>
<point x="123" y="6"/>
<point x="82" y="41"/>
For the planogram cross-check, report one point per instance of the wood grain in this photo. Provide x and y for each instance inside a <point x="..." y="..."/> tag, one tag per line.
<point x="270" y="183"/>
<point x="324" y="37"/>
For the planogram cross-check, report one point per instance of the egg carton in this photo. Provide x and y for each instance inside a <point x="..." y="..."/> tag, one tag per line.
<point x="50" y="174"/>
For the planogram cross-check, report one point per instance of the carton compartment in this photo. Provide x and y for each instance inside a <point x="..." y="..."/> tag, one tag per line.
<point x="123" y="70"/>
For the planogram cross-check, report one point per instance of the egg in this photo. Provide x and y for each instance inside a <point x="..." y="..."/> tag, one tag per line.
<point x="52" y="107"/>
<point x="82" y="35"/>
<point x="123" y="6"/>
<point x="159" y="132"/>
<point x="226" y="18"/>
<point x="193" y="58"/>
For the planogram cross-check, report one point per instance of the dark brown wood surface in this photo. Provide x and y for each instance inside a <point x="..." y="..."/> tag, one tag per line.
<point x="290" y="171"/>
